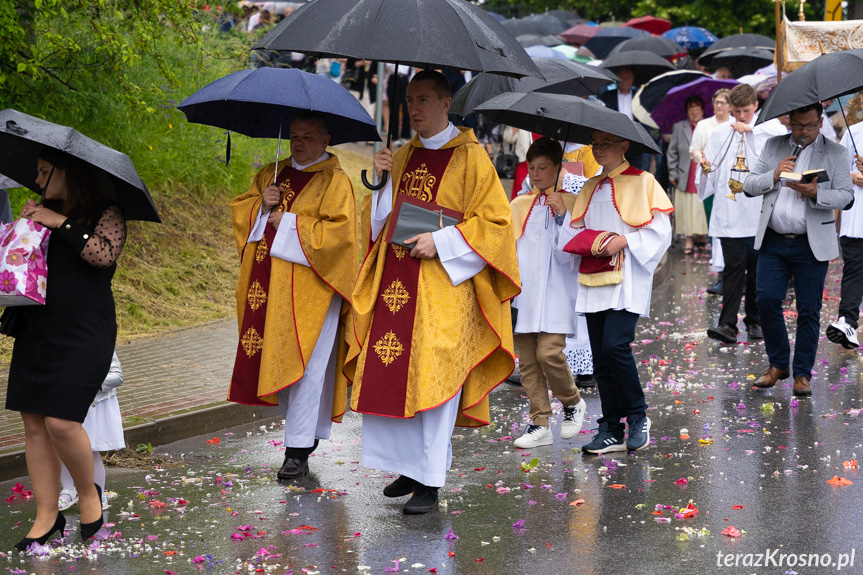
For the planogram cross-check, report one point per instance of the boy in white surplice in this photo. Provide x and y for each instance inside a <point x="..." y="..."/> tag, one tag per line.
<point x="546" y="305"/>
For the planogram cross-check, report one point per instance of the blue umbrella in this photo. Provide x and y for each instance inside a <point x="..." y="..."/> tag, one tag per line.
<point x="691" y="37"/>
<point x="545" y="52"/>
<point x="261" y="102"/>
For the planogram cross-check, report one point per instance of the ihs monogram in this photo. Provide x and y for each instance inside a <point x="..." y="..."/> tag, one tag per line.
<point x="419" y="183"/>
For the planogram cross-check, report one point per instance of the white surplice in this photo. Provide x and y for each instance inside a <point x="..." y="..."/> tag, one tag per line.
<point x="420" y="447"/>
<point x="643" y="253"/>
<point x="852" y="220"/>
<point x="307" y="404"/>
<point x="549" y="281"/>
<point x="734" y="218"/>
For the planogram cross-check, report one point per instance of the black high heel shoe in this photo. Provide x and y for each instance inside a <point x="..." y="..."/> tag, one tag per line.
<point x="59" y="525"/>
<point x="88" y="530"/>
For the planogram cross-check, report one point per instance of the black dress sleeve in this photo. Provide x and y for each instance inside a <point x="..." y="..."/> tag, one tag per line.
<point x="100" y="247"/>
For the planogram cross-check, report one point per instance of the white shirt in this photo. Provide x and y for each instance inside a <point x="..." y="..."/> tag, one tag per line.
<point x="789" y="211"/>
<point x="549" y="279"/>
<point x="458" y="259"/>
<point x="644" y="251"/>
<point x="624" y="104"/>
<point x="852" y="220"/>
<point x="286" y="243"/>
<point x="701" y="135"/>
<point x="827" y="128"/>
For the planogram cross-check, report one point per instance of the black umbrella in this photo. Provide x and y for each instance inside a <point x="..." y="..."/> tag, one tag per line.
<point x="561" y="77"/>
<point x="23" y="137"/>
<point x="826" y="77"/>
<point x="742" y="61"/>
<point x="521" y="27"/>
<point x="606" y="39"/>
<point x="421" y="33"/>
<point x="570" y="19"/>
<point x="644" y="65"/>
<point x="528" y="40"/>
<point x="547" y="23"/>
<point x="745" y="41"/>
<point x="564" y="118"/>
<point x="660" y="46"/>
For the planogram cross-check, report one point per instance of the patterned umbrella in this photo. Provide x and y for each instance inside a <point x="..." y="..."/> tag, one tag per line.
<point x="691" y="37"/>
<point x="672" y="110"/>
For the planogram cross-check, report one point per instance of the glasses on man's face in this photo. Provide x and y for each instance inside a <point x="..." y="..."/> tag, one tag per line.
<point x="806" y="127"/>
<point x="604" y="144"/>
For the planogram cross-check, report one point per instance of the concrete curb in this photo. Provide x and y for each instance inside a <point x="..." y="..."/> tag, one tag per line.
<point x="175" y="427"/>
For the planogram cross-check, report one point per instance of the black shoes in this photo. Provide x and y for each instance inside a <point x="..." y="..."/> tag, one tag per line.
<point x="296" y="462"/>
<point x="402" y="486"/>
<point x="715" y="289"/>
<point x="293" y="468"/>
<point x="88" y="530"/>
<point x="723" y="332"/>
<point x="424" y="500"/>
<point x="754" y="332"/>
<point x="585" y="380"/>
<point x="59" y="525"/>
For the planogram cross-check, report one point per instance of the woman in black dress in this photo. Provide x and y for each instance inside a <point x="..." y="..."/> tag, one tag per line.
<point x="63" y="349"/>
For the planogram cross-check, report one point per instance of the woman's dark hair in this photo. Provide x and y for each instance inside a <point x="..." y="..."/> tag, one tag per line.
<point x="82" y="195"/>
<point x="545" y="147"/>
<point x="694" y="99"/>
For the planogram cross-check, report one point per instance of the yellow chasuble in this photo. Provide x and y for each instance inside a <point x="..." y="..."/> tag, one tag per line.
<point x="523" y="205"/>
<point x="461" y="337"/>
<point x="298" y="296"/>
<point x="584" y="155"/>
<point x="635" y="193"/>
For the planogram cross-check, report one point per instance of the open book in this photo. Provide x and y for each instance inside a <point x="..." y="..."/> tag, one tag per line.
<point x="808" y="176"/>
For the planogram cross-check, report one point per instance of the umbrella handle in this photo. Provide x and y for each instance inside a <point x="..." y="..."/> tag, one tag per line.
<point x="378" y="186"/>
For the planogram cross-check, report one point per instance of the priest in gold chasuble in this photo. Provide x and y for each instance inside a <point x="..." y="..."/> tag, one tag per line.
<point x="432" y="329"/>
<point x="299" y="250"/>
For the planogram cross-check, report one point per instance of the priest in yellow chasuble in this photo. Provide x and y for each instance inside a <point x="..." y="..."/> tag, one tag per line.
<point x="299" y="250"/>
<point x="432" y="329"/>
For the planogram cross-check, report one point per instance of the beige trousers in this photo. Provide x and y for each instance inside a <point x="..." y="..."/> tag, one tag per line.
<point x="543" y="365"/>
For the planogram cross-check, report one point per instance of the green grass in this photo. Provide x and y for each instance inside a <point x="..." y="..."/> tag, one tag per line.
<point x="184" y="271"/>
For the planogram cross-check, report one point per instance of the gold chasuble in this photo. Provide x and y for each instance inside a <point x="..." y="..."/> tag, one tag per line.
<point x="635" y="193"/>
<point x="417" y="338"/>
<point x="523" y="206"/>
<point x="281" y="305"/>
<point x="584" y="155"/>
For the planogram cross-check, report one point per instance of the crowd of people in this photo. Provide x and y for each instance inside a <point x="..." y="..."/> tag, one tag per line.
<point x="423" y="325"/>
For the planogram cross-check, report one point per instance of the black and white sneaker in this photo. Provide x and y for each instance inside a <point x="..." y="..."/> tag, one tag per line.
<point x="843" y="334"/>
<point x="535" y="436"/>
<point x="604" y="441"/>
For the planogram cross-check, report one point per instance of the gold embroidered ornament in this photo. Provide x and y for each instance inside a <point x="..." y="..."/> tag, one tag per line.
<point x="420" y="183"/>
<point x="252" y="342"/>
<point x="395" y="296"/>
<point x="388" y="348"/>
<point x="256" y="296"/>
<point x="262" y="250"/>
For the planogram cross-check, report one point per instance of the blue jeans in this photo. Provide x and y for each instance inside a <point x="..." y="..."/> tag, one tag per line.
<point x="780" y="260"/>
<point x="611" y="332"/>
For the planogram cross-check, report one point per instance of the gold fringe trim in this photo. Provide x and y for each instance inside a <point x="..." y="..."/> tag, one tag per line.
<point x="601" y="278"/>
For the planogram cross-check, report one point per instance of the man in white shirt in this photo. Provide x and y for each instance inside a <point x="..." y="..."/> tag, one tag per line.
<point x="844" y="330"/>
<point x="796" y="237"/>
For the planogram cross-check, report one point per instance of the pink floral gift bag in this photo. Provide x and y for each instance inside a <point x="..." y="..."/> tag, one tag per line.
<point x="23" y="263"/>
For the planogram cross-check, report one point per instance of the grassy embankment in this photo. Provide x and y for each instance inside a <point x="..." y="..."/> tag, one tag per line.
<point x="183" y="272"/>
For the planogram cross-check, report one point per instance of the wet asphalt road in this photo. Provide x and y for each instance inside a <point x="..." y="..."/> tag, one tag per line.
<point x="755" y="464"/>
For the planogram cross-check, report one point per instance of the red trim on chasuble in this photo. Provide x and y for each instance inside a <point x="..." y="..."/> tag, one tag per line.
<point x="247" y="366"/>
<point x="385" y="374"/>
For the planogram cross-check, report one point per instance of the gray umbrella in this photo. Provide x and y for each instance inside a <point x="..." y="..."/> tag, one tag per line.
<point x="644" y="65"/>
<point x="564" y="118"/>
<point x="23" y="137"/>
<point x="562" y="77"/>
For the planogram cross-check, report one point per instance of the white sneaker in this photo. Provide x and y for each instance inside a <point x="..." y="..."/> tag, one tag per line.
<point x="573" y="417"/>
<point x="534" y="436"/>
<point x="843" y="334"/>
<point x="68" y="498"/>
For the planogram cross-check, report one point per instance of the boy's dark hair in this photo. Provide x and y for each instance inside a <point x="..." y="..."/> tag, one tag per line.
<point x="545" y="147"/>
